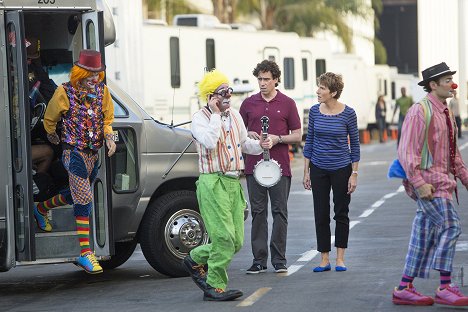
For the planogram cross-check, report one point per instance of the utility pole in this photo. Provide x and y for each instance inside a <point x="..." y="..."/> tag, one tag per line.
<point x="462" y="50"/>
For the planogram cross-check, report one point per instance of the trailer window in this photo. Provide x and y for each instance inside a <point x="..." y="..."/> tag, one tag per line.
<point x="305" y="74"/>
<point x="393" y="90"/>
<point x="320" y="67"/>
<point x="210" y="54"/>
<point x="288" y="65"/>
<point x="124" y="164"/>
<point x="174" y="51"/>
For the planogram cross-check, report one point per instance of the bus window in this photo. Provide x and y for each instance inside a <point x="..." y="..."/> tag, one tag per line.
<point x="174" y="52"/>
<point x="288" y="64"/>
<point x="100" y="213"/>
<point x="14" y="99"/>
<point x="119" y="110"/>
<point x="124" y="163"/>
<point x="91" y="36"/>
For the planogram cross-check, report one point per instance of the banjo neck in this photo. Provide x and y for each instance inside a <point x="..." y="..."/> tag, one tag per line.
<point x="265" y="124"/>
<point x="266" y="151"/>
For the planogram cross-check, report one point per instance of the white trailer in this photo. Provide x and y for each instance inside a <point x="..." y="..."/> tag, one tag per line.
<point x="175" y="58"/>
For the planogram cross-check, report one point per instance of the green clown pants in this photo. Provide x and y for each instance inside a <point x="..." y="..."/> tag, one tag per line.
<point x="222" y="203"/>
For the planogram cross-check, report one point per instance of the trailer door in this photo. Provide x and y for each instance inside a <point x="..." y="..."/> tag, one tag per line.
<point x="93" y="39"/>
<point x="22" y="228"/>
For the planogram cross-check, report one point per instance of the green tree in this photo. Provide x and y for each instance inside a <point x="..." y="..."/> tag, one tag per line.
<point x="379" y="49"/>
<point x="225" y="10"/>
<point x="166" y="9"/>
<point x="306" y="17"/>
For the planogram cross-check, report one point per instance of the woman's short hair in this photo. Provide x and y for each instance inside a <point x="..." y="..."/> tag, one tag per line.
<point x="334" y="82"/>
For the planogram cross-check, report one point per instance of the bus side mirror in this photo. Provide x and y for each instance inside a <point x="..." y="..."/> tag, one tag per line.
<point x="109" y="27"/>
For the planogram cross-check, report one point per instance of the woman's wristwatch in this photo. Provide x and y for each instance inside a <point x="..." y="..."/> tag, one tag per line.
<point x="354" y="172"/>
<point x="280" y="139"/>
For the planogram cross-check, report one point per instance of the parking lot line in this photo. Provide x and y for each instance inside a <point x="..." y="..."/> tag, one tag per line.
<point x="250" y="300"/>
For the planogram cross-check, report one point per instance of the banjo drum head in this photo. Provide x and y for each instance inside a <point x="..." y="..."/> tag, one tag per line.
<point x="267" y="173"/>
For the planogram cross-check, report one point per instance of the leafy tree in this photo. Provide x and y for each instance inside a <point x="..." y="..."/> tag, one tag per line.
<point x="380" y="52"/>
<point x="379" y="49"/>
<point x="306" y="17"/>
<point x="168" y="8"/>
<point x="225" y="10"/>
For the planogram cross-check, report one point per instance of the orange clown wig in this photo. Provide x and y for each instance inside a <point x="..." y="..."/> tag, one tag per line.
<point x="78" y="73"/>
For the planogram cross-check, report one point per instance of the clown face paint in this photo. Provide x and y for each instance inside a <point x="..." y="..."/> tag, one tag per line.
<point x="91" y="81"/>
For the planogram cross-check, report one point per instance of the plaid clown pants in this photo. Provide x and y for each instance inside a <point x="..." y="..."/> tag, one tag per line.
<point x="82" y="170"/>
<point x="222" y="202"/>
<point x="434" y="235"/>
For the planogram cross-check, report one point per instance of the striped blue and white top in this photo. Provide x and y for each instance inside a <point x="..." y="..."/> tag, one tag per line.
<point x="327" y="144"/>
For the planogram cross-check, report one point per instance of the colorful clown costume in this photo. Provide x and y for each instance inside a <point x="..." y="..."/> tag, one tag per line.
<point x="85" y="107"/>
<point x="221" y="139"/>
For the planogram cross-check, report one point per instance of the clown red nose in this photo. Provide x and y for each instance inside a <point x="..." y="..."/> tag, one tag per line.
<point x="454" y="86"/>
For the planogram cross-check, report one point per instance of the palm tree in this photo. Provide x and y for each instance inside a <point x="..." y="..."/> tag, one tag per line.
<point x="380" y="51"/>
<point x="225" y="10"/>
<point x="166" y="9"/>
<point x="307" y="17"/>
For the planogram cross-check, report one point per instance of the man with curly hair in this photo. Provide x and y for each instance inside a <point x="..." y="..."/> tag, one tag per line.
<point x="221" y="139"/>
<point x="284" y="129"/>
<point x="85" y="107"/>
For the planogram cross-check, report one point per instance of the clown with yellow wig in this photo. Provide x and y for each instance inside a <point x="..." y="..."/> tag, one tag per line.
<point x="221" y="138"/>
<point x="85" y="107"/>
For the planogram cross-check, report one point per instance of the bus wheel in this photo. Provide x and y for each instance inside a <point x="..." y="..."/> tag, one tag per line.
<point x="123" y="251"/>
<point x="171" y="227"/>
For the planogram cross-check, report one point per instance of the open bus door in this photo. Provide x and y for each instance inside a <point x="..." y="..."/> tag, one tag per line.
<point x="92" y="24"/>
<point x="21" y="227"/>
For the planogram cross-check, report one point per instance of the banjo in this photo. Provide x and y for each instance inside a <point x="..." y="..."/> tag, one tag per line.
<point x="267" y="172"/>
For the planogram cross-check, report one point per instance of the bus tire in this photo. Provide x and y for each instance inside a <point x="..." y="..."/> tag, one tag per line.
<point x="171" y="227"/>
<point x="123" y="251"/>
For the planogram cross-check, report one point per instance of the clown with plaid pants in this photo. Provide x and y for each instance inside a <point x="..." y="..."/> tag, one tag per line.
<point x="85" y="107"/>
<point x="432" y="162"/>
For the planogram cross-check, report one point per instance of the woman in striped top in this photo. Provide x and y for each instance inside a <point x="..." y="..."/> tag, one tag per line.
<point x="331" y="158"/>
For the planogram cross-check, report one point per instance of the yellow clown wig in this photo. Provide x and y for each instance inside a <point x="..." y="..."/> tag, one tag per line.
<point x="77" y="74"/>
<point x="210" y="82"/>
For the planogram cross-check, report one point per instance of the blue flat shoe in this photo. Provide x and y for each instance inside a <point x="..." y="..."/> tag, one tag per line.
<point x="340" y="268"/>
<point x="322" y="269"/>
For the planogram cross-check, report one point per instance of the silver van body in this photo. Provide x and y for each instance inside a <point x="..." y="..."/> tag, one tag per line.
<point x="144" y="194"/>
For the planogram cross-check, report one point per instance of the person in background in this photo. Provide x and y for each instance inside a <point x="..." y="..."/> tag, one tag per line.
<point x="85" y="107"/>
<point x="36" y="72"/>
<point x="380" y="115"/>
<point x="331" y="163"/>
<point x="42" y="153"/>
<point x="284" y="129"/>
<point x="455" y="108"/>
<point x="431" y="161"/>
<point x="221" y="139"/>
<point x="403" y="103"/>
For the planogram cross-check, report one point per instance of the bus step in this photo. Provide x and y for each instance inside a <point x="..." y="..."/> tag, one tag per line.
<point x="61" y="219"/>
<point x="57" y="245"/>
